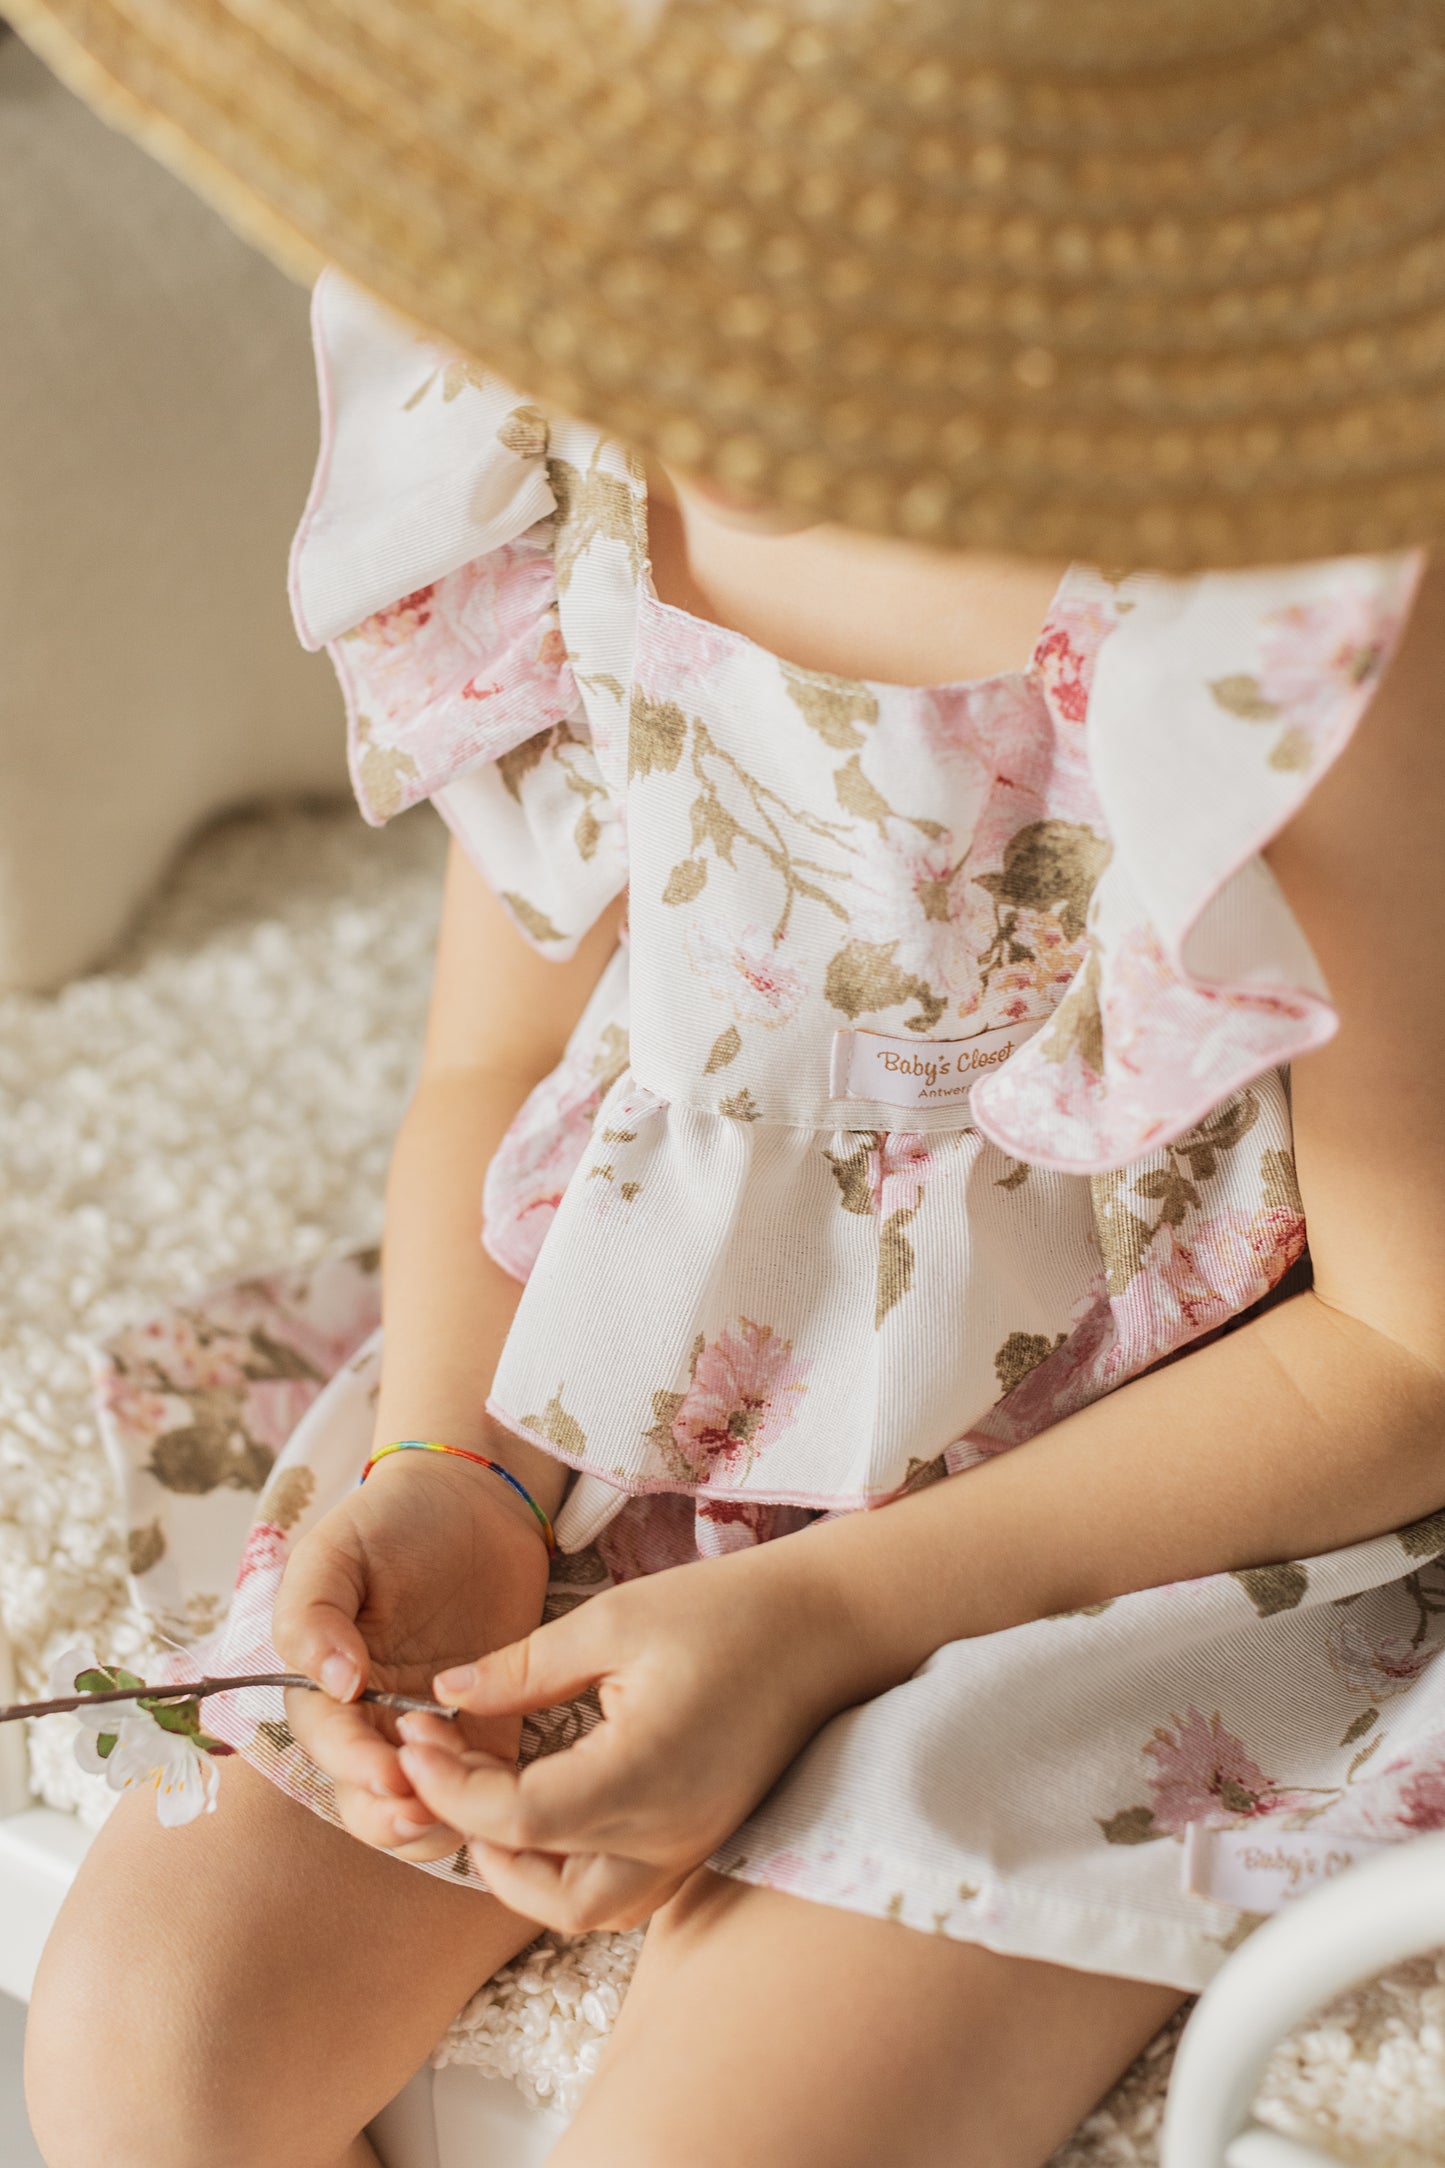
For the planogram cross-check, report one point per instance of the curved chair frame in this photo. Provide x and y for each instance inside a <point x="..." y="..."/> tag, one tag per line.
<point x="1387" y="1909"/>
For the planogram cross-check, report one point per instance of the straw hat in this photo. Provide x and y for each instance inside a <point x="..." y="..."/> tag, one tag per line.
<point x="1141" y="281"/>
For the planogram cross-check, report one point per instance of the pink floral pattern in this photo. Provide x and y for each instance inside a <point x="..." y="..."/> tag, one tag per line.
<point x="545" y="1144"/>
<point x="1422" y="1800"/>
<point x="742" y="1395"/>
<point x="1203" y="1773"/>
<point x="1315" y="653"/>
<point x="461" y="669"/>
<point x="1064" y="658"/>
<point x="214" y="1392"/>
<point x="747" y="972"/>
<point x="1380" y="1669"/>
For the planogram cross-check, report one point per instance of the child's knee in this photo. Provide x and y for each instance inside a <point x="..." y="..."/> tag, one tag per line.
<point x="126" y="2067"/>
<point x="97" y="2081"/>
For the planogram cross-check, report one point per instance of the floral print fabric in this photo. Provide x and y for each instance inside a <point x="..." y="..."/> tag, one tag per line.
<point x="748" y="1303"/>
<point x="808" y="854"/>
<point x="1217" y="704"/>
<point x="1033" y="1790"/>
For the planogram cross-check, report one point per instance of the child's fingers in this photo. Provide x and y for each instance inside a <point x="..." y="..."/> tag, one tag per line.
<point x="559" y="1803"/>
<point x="548" y="1666"/>
<point x="419" y="1729"/>
<point x="475" y="1793"/>
<point x="577" y="1893"/>
<point x="314" y="1624"/>
<point x="344" y="1741"/>
<point x="402" y="1826"/>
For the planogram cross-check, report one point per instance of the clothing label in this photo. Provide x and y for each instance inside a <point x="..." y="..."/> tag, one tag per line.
<point x="1261" y="1869"/>
<point x="920" y="1072"/>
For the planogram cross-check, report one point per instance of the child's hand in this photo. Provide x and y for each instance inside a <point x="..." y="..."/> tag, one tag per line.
<point x="419" y="1567"/>
<point x="712" y="1677"/>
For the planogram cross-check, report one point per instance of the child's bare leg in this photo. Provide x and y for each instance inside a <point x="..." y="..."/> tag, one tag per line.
<point x="245" y="1992"/>
<point x="761" y="2028"/>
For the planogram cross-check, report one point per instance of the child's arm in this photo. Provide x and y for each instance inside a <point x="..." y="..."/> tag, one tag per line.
<point x="434" y="1557"/>
<point x="500" y="1017"/>
<point x="1323" y="1420"/>
<point x="1320" y="1422"/>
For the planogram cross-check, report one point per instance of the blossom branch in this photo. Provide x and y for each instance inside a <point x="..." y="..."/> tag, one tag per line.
<point x="199" y="1689"/>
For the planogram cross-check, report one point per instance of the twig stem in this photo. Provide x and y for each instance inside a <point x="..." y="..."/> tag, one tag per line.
<point x="199" y="1689"/>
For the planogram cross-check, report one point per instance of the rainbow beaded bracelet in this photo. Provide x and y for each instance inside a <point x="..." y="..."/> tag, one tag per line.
<point x="434" y="1445"/>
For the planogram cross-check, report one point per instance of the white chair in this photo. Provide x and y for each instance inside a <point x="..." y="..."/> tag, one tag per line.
<point x="1375" y="1915"/>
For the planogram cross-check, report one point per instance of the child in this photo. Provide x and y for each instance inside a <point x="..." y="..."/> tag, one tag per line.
<point x="939" y="1140"/>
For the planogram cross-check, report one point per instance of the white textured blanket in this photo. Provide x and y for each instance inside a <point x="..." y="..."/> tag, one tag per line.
<point x="222" y="1098"/>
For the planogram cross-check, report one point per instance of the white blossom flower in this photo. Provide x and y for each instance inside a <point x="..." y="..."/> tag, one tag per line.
<point x="130" y="1745"/>
<point x="180" y="1771"/>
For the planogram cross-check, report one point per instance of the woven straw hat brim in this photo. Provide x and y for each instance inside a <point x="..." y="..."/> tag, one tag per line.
<point x="1138" y="281"/>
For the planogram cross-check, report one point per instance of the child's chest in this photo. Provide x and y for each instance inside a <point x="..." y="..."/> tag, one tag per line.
<point x="815" y="855"/>
<point x="854" y="605"/>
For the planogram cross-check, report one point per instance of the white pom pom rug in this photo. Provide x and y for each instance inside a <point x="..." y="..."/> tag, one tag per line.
<point x="222" y="1099"/>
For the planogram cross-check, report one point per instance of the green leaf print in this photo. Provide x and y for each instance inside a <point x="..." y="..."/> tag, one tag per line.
<point x="832" y="706"/>
<point x="687" y="879"/>
<point x="587" y="834"/>
<point x="212" y="1451"/>
<point x="858" y="796"/>
<point x="725" y="1048"/>
<point x="145" y="1548"/>
<point x="525" y="432"/>
<point x="855" y="1190"/>
<point x="1077" y="1025"/>
<point x="533" y="921"/>
<point x="1051" y="865"/>
<point x="863" y="978"/>
<point x="656" y="736"/>
<point x="1280" y="1182"/>
<point x="1274" y="1588"/>
<point x="384" y="774"/>
<point x="895" y="1261"/>
<point x="593" y="505"/>
<point x="557" y="1426"/>
<point x="1021" y="1353"/>
<point x="1364" y="1722"/>
<point x="1243" y="696"/>
<point x="1363" y="1756"/>
<point x="1174" y="1192"/>
<point x="1132" y="1825"/>
<point x="513" y="766"/>
<point x="287" y="1496"/>
<point x="1424" y="1539"/>
<point x="1124" y="1237"/>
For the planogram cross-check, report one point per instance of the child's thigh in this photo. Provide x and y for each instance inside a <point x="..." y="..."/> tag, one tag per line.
<point x="250" y="1988"/>
<point x="787" y="2034"/>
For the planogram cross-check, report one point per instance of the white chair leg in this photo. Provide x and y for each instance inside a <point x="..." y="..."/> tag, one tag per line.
<point x="1387" y="1909"/>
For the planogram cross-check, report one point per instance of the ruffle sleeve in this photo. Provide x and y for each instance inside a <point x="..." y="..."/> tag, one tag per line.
<point x="1216" y="705"/>
<point x="427" y="565"/>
